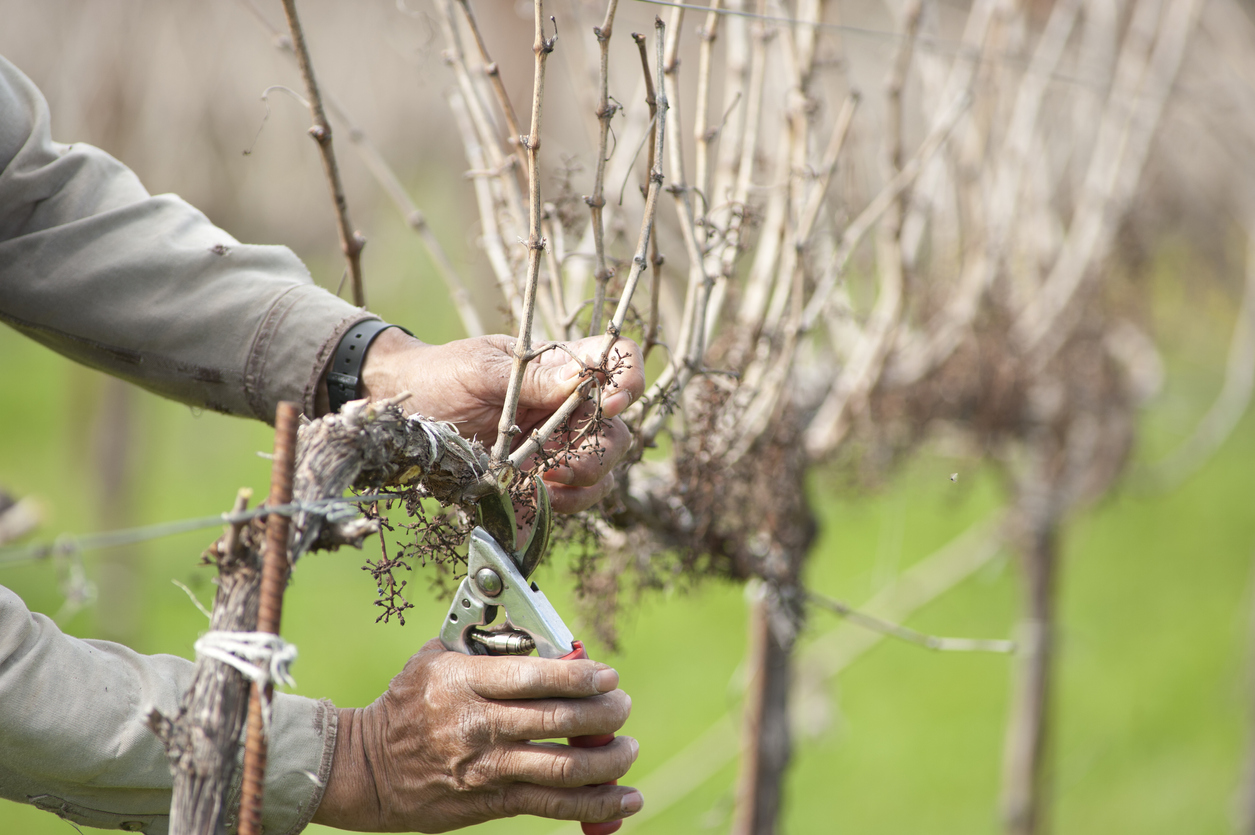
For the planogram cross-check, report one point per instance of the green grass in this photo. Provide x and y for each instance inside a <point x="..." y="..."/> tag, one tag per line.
<point x="1151" y="714"/>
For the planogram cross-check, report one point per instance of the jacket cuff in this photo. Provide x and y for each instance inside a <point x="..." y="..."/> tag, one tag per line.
<point x="298" y="764"/>
<point x="293" y="347"/>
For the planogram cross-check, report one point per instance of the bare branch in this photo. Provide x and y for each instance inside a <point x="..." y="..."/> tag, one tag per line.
<point x="552" y="305"/>
<point x="703" y="135"/>
<point x="491" y="237"/>
<point x="692" y="341"/>
<point x="351" y="241"/>
<point x="775" y="284"/>
<point x="655" y="260"/>
<point x="597" y="201"/>
<point x="500" y="200"/>
<point x="493" y="72"/>
<point x="507" y="428"/>
<point x="815" y="200"/>
<point x="861" y="225"/>
<point x="388" y="180"/>
<point x="914" y="358"/>
<point x="1149" y="60"/>
<point x="858" y="377"/>
<point x="851" y="387"/>
<point x="727" y="197"/>
<point x="614" y="328"/>
<point x="733" y="176"/>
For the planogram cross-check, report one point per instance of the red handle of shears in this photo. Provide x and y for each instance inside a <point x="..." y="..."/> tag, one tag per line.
<point x="591" y="741"/>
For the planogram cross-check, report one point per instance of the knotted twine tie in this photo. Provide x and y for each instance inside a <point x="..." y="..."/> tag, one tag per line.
<point x="261" y="657"/>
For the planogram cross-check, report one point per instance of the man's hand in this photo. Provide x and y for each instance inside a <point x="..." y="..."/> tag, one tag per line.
<point x="451" y="744"/>
<point x="464" y="382"/>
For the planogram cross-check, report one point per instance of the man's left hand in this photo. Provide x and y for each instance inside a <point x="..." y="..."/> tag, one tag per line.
<point x="464" y="382"/>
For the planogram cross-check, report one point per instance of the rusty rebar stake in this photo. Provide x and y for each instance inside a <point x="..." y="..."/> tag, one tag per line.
<point x="274" y="579"/>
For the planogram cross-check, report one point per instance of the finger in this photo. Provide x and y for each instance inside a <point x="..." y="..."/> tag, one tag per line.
<point x="589" y="803"/>
<point x="616" y="442"/>
<point x="574" y="499"/>
<point x="555" y="374"/>
<point x="548" y="764"/>
<point x="550" y="379"/>
<point x="514" y="677"/>
<point x="626" y="381"/>
<point x="587" y="465"/>
<point x="530" y="719"/>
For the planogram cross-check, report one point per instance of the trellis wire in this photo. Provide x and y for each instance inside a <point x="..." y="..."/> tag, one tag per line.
<point x="331" y="509"/>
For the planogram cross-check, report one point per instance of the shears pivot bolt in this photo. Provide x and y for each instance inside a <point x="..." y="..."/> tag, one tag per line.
<point x="489" y="582"/>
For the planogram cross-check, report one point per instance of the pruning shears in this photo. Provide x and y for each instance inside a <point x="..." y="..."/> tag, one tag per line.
<point x="498" y="578"/>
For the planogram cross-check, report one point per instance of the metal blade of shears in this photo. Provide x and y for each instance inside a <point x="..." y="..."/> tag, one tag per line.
<point x="496" y="515"/>
<point x="538" y="539"/>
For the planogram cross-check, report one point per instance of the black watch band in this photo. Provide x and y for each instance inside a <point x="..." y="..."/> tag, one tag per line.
<point x="345" y="373"/>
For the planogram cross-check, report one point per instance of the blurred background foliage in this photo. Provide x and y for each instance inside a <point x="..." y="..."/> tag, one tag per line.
<point x="1153" y="704"/>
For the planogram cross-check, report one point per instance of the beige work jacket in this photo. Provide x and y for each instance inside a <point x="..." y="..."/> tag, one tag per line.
<point x="145" y="288"/>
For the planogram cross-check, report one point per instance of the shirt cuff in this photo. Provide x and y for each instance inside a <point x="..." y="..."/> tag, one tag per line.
<point x="298" y="764"/>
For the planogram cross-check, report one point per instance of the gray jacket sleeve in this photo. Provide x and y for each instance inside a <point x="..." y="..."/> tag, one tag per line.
<point x="144" y="287"/>
<point x="74" y="737"/>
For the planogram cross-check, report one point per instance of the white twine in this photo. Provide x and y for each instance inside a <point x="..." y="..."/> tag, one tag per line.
<point x="262" y="657"/>
<point x="442" y="433"/>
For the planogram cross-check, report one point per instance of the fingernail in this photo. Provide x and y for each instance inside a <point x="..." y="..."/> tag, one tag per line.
<point x="635" y="746"/>
<point x="560" y="475"/>
<point x="631" y="803"/>
<point x="606" y="680"/>
<point x="613" y="405"/>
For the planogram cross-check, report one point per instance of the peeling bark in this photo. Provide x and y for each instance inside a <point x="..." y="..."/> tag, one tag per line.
<point x="202" y="742"/>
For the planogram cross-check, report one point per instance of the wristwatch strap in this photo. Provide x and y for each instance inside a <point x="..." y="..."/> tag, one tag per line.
<point x="345" y="374"/>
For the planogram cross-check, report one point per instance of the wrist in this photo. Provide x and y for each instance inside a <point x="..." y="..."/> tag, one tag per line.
<point x="389" y="363"/>
<point x="351" y="798"/>
<point x="343" y="378"/>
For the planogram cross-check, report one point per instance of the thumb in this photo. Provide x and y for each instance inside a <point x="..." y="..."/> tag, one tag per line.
<point x="548" y="385"/>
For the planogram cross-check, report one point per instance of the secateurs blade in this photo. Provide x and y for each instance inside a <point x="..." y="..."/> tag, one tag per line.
<point x="497" y="578"/>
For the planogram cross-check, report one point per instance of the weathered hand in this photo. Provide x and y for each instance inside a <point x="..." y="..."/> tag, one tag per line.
<point x="450" y="744"/>
<point x="464" y="382"/>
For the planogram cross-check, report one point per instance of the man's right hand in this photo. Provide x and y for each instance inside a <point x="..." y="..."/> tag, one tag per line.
<point x="451" y="744"/>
